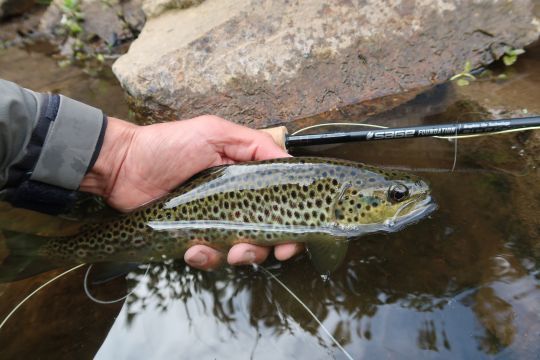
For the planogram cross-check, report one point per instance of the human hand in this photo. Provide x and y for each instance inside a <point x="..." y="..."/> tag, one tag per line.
<point x="138" y="164"/>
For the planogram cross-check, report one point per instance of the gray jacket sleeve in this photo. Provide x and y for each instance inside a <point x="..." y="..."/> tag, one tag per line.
<point x="45" y="140"/>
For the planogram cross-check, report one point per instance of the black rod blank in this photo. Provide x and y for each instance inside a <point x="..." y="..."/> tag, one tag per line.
<point x="466" y="128"/>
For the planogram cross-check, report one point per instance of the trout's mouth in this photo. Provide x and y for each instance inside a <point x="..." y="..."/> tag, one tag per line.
<point x="420" y="209"/>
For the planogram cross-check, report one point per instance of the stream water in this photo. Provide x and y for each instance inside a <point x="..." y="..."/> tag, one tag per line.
<point x="464" y="283"/>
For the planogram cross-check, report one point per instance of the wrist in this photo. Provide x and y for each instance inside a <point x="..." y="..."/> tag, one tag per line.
<point x="101" y="178"/>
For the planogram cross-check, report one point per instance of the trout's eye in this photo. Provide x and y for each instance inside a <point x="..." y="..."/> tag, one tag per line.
<point x="398" y="193"/>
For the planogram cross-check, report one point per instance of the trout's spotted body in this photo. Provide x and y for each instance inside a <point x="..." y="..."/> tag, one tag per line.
<point x="268" y="202"/>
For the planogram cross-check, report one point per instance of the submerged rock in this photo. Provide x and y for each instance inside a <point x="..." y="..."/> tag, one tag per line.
<point x="98" y="26"/>
<point x="15" y="7"/>
<point x="254" y="60"/>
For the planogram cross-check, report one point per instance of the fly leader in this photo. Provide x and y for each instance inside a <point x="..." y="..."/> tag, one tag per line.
<point x="389" y="134"/>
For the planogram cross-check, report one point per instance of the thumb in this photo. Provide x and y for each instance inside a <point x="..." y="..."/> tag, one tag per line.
<point x="245" y="144"/>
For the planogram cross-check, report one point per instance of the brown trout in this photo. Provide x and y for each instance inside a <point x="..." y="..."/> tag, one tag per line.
<point x="320" y="202"/>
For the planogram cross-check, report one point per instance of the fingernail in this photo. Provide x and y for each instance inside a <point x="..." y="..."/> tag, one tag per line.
<point x="197" y="259"/>
<point x="247" y="257"/>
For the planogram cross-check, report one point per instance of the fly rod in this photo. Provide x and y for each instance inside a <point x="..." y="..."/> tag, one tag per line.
<point x="450" y="129"/>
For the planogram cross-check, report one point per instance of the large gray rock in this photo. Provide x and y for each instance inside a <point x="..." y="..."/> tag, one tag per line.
<point x="155" y="7"/>
<point x="253" y="60"/>
<point x="15" y="7"/>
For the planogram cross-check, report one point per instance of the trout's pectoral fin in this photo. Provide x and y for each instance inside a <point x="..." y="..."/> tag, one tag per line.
<point x="327" y="253"/>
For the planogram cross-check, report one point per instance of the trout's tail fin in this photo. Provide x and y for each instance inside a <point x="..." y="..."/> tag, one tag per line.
<point x="23" y="259"/>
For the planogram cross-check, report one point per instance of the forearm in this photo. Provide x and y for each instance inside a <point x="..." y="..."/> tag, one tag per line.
<point x="19" y="113"/>
<point x="48" y="143"/>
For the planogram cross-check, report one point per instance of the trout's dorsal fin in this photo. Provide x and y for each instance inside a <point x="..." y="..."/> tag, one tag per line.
<point x="327" y="252"/>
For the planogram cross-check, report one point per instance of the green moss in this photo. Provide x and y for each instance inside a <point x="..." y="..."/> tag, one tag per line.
<point x="511" y="56"/>
<point x="463" y="78"/>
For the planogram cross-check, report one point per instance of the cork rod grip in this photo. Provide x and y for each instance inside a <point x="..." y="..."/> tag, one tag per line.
<point x="278" y="134"/>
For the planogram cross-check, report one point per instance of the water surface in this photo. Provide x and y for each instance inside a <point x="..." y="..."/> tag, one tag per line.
<point x="464" y="283"/>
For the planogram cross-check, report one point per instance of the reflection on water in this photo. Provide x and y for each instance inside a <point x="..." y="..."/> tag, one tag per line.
<point x="463" y="284"/>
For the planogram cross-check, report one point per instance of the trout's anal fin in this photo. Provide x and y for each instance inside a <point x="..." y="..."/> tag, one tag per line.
<point x="327" y="252"/>
<point x="106" y="271"/>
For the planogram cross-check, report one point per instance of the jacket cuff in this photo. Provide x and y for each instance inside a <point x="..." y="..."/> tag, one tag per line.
<point x="71" y="145"/>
